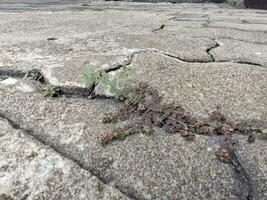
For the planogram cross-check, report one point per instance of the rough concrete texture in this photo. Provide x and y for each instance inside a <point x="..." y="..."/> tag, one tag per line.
<point x="72" y="71"/>
<point x="190" y="49"/>
<point x="200" y="87"/>
<point x="143" y="167"/>
<point x="198" y="55"/>
<point x="236" y="51"/>
<point x="30" y="169"/>
<point x="254" y="159"/>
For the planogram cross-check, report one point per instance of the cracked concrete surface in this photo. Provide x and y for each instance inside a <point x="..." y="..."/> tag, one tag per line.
<point x="142" y="167"/>
<point x="237" y="51"/>
<point x="204" y="56"/>
<point x="200" y="87"/>
<point x="30" y="169"/>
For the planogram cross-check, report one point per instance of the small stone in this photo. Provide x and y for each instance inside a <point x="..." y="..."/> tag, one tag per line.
<point x="251" y="138"/>
<point x="238" y="169"/>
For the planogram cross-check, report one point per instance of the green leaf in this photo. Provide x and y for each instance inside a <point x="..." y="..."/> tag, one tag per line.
<point x="105" y="78"/>
<point x="113" y="87"/>
<point x="83" y="80"/>
<point x="126" y="72"/>
<point x="129" y="82"/>
<point x="88" y="76"/>
<point x="125" y="83"/>
<point x="121" y="83"/>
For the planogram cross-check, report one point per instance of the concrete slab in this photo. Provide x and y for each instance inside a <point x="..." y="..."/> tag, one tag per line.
<point x="181" y="59"/>
<point x="239" y="89"/>
<point x="189" y="49"/>
<point x="236" y="51"/>
<point x="143" y="167"/>
<point x="29" y="169"/>
<point x="254" y="159"/>
<point x="72" y="71"/>
<point x="217" y="33"/>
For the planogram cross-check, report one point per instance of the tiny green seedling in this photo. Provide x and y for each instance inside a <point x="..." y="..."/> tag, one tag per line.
<point x="50" y="91"/>
<point x="102" y="77"/>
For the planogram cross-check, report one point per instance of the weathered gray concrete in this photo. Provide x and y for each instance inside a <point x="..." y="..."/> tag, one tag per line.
<point x="237" y="51"/>
<point x="144" y="167"/>
<point x="254" y="159"/>
<point x="239" y="89"/>
<point x="204" y="56"/>
<point x="30" y="169"/>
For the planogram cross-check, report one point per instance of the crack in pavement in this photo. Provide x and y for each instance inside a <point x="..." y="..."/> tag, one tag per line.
<point x="211" y="48"/>
<point x="30" y="133"/>
<point x="12" y="73"/>
<point x="237" y="164"/>
<point x="80" y="92"/>
<point x="229" y="38"/>
<point x="236" y="29"/>
<point x="249" y="63"/>
<point x="213" y="59"/>
<point x="240" y="169"/>
<point x="130" y="59"/>
<point x="242" y="173"/>
<point x="139" y="51"/>
<point x="71" y="91"/>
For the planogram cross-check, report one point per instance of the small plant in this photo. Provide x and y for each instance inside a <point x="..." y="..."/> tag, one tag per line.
<point x="120" y="134"/>
<point x="145" y="103"/>
<point x="224" y="155"/>
<point x="101" y="77"/>
<point x="50" y="91"/>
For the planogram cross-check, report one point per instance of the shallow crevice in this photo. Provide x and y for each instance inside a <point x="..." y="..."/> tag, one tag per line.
<point x="89" y="92"/>
<point x="243" y="175"/>
<point x="76" y="92"/>
<point x="67" y="91"/>
<point x="239" y="62"/>
<point x="183" y="59"/>
<point x="154" y="50"/>
<point x="12" y="73"/>
<point x="236" y="29"/>
<point x="30" y="133"/>
<point x="230" y="38"/>
<point x="208" y="51"/>
<point x="213" y="59"/>
<point x="249" y="63"/>
<point x="123" y="65"/>
<point x="159" y="28"/>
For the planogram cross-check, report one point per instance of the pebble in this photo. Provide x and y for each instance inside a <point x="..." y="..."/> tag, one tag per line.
<point x="251" y="138"/>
